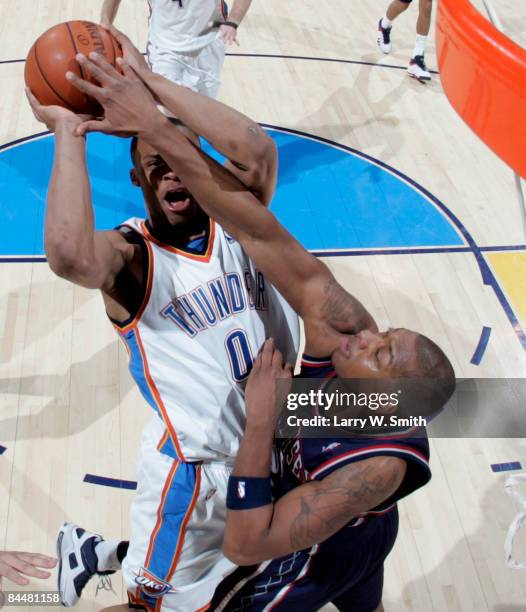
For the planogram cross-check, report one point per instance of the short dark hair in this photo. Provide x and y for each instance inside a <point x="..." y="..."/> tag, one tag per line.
<point x="135" y="141"/>
<point x="432" y="383"/>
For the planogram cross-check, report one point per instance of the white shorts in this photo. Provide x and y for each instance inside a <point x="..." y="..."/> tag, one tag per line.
<point x="198" y="70"/>
<point x="177" y="525"/>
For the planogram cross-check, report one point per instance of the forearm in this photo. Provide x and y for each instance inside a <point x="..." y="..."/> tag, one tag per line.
<point x="239" y="10"/>
<point x="276" y="253"/>
<point x="69" y="222"/>
<point x="304" y="281"/>
<point x="255" y="453"/>
<point x="230" y="132"/>
<point x="109" y="11"/>
<point x="246" y="529"/>
<point x="313" y="512"/>
<point x="222" y="195"/>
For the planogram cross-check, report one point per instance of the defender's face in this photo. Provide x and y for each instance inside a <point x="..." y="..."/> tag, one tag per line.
<point x="168" y="200"/>
<point x="376" y="354"/>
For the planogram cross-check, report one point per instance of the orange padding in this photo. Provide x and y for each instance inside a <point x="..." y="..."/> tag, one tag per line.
<point x="483" y="73"/>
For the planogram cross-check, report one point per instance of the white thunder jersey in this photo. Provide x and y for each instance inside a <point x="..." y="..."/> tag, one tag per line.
<point x="191" y="346"/>
<point x="184" y="26"/>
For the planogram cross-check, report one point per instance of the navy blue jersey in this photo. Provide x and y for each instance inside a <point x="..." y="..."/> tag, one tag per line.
<point x="299" y="460"/>
<point x="347" y="568"/>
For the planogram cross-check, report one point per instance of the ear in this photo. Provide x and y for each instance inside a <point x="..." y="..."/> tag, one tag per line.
<point x="134" y="178"/>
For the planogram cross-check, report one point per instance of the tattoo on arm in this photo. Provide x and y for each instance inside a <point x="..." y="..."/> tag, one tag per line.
<point x="341" y="496"/>
<point x="341" y="309"/>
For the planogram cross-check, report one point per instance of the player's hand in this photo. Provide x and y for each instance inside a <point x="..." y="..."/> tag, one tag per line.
<point x="17" y="565"/>
<point x="267" y="386"/>
<point x="228" y="34"/>
<point x="129" y="107"/>
<point x="52" y="116"/>
<point x="130" y="53"/>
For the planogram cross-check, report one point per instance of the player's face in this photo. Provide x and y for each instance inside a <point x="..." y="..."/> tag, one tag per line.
<point x="168" y="201"/>
<point x="376" y="354"/>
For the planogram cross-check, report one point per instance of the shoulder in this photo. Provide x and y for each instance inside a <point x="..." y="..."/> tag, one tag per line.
<point x="328" y="455"/>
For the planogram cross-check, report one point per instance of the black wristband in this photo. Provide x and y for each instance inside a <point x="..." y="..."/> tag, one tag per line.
<point x="232" y="24"/>
<point x="247" y="492"/>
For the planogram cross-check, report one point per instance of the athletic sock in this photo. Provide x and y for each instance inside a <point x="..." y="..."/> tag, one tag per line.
<point x="107" y="553"/>
<point x="420" y="45"/>
<point x="386" y="23"/>
<point x="122" y="551"/>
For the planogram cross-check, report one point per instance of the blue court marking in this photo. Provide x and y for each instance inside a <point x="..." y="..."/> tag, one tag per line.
<point x="321" y="59"/>
<point x="506" y="467"/>
<point x="5" y="259"/>
<point x="2" y="449"/>
<point x="320" y="181"/>
<point x="413" y="251"/>
<point x="343" y="253"/>
<point x="481" y="346"/>
<point x="110" y="482"/>
<point x="379" y="209"/>
<point x="277" y="56"/>
<point x="317" y="184"/>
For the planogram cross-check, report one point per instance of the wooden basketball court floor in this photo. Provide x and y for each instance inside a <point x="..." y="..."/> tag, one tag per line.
<point x="67" y="404"/>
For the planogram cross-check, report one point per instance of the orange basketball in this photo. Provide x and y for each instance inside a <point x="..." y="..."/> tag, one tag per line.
<point x="53" y="54"/>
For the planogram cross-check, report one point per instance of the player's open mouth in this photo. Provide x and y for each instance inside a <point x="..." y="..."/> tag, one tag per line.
<point x="177" y="200"/>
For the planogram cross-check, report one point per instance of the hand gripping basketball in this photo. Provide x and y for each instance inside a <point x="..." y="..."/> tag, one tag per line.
<point x="130" y="53"/>
<point x="53" y="53"/>
<point x="128" y="105"/>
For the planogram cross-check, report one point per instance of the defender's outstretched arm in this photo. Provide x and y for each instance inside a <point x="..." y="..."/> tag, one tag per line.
<point x="303" y="280"/>
<point x="251" y="152"/>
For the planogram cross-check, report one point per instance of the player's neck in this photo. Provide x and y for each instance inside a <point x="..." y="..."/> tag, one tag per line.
<point x="181" y="234"/>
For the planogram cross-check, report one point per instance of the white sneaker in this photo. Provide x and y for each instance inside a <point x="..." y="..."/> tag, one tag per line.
<point x="77" y="561"/>
<point x="384" y="38"/>
<point x="418" y="70"/>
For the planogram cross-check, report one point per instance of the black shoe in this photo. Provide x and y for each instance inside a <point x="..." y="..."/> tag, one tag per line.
<point x="384" y="38"/>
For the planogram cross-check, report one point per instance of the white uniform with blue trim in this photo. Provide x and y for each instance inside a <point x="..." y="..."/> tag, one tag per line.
<point x="191" y="346"/>
<point x="183" y="44"/>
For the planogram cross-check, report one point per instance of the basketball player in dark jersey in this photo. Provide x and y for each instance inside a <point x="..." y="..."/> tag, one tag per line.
<point x="332" y="518"/>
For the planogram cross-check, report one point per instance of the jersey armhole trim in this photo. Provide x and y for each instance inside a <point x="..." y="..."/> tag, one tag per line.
<point x="364" y="453"/>
<point x="131" y="322"/>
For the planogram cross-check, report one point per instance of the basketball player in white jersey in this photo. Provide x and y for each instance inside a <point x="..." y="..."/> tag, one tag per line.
<point x="187" y="38"/>
<point x="192" y="311"/>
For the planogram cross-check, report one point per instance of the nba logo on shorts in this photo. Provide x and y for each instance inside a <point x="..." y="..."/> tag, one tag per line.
<point x="241" y="489"/>
<point x="151" y="585"/>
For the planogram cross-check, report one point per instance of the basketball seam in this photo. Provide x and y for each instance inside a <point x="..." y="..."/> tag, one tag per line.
<point x="89" y="99"/>
<point x="68" y="105"/>
<point x="112" y="47"/>
<point x="75" y="48"/>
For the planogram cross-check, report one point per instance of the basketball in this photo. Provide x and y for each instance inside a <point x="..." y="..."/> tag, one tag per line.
<point x="53" y="54"/>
